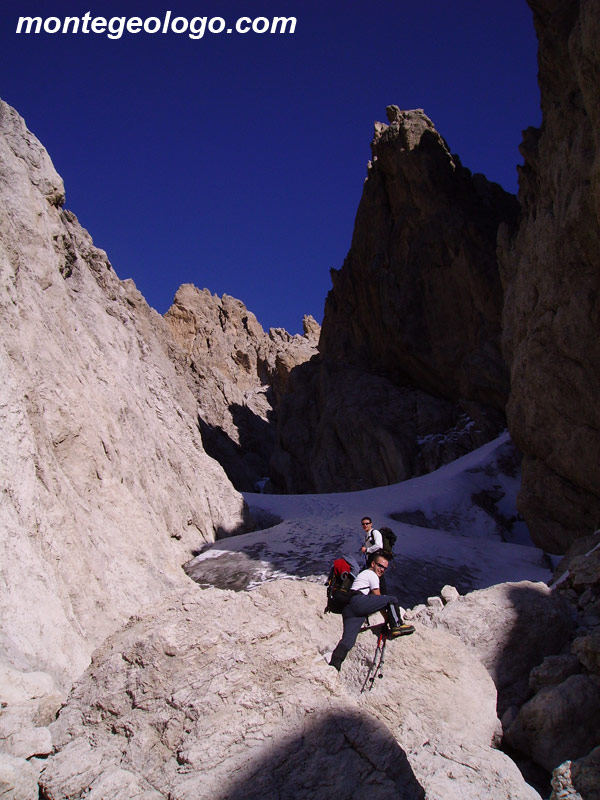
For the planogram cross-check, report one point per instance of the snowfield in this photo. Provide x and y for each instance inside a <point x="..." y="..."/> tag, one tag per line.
<point x="457" y="525"/>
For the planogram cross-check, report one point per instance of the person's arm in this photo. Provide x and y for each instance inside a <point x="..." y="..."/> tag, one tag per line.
<point x="375" y="591"/>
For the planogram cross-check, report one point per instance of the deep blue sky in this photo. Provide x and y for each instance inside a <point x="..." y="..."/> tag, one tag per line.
<point x="236" y="162"/>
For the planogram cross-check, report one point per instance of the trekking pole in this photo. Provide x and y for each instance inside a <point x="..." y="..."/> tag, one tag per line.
<point x="375" y="668"/>
<point x="380" y="665"/>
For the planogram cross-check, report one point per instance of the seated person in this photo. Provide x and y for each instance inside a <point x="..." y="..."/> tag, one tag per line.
<point x="367" y="599"/>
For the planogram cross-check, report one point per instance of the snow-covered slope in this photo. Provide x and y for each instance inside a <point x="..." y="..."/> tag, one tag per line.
<point x="456" y="526"/>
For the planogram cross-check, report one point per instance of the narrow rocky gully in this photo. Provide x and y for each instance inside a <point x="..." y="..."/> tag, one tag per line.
<point x="175" y="486"/>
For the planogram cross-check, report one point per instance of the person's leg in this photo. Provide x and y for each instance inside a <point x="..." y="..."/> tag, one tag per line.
<point x="394" y="619"/>
<point x="359" y="607"/>
<point x="338" y="656"/>
<point x="365" y="604"/>
<point x="388" y="605"/>
<point x="382" y="584"/>
<point x="352" y="625"/>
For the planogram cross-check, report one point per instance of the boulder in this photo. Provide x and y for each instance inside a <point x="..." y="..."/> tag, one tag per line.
<point x="551" y="276"/>
<point x="449" y="594"/>
<point x="587" y="650"/>
<point x="18" y="778"/>
<point x="24" y="742"/>
<point x="511" y="627"/>
<point x="584" y="570"/>
<point x="559" y="722"/>
<point x="578" y="780"/>
<point x="553" y="670"/>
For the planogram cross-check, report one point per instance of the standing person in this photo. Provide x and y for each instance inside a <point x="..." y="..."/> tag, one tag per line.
<point x="375" y="542"/>
<point x="367" y="599"/>
<point x="373" y="538"/>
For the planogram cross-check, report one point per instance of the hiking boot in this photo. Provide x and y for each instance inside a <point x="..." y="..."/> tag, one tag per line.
<point x="400" y="630"/>
<point x="336" y="662"/>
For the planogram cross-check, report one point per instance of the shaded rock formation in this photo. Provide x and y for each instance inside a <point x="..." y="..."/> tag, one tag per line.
<point x="511" y="627"/>
<point x="410" y="345"/>
<point x="237" y="373"/>
<point x="557" y="728"/>
<point x="343" y="429"/>
<point x="560" y="722"/>
<point x="419" y="298"/>
<point x="551" y="274"/>
<point x="106" y="488"/>
<point x="549" y="713"/>
<point x="248" y="708"/>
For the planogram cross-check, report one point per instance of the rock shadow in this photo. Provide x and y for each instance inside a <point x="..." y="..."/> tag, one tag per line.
<point x="234" y="570"/>
<point x="485" y="499"/>
<point x="256" y="563"/>
<point x="542" y="626"/>
<point x="348" y="756"/>
<point x="245" y="462"/>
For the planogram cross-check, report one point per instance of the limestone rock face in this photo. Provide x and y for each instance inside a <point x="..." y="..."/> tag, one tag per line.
<point x="248" y="708"/>
<point x="237" y="373"/>
<point x="419" y="297"/>
<point x="578" y="779"/>
<point x="410" y="373"/>
<point x="106" y="488"/>
<point x="559" y="722"/>
<point x="551" y="275"/>
<point x="344" y="429"/>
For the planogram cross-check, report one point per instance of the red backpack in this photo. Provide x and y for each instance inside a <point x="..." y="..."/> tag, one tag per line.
<point x="341" y="577"/>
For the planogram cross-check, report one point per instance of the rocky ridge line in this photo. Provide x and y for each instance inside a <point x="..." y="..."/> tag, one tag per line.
<point x="238" y="374"/>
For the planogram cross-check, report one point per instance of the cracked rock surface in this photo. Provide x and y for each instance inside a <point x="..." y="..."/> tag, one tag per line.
<point x="227" y="695"/>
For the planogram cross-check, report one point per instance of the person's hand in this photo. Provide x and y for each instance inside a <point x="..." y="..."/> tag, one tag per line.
<point x="363" y="549"/>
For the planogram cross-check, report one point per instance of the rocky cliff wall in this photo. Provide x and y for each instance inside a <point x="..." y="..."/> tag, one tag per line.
<point x="342" y="428"/>
<point x="419" y="298"/>
<point x="106" y="488"/>
<point x="410" y="374"/>
<point x="551" y="275"/>
<point x="238" y="374"/>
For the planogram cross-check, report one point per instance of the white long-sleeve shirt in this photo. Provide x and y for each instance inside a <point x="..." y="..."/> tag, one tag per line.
<point x="373" y="540"/>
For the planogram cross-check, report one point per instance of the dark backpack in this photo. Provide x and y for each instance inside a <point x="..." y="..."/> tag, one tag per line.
<point x="341" y="577"/>
<point x="389" y="539"/>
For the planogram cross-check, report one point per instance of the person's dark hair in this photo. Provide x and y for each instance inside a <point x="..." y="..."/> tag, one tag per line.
<point x="366" y="519"/>
<point x="372" y="556"/>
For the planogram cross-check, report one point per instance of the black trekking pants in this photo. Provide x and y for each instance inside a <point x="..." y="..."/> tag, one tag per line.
<point x="360" y="607"/>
